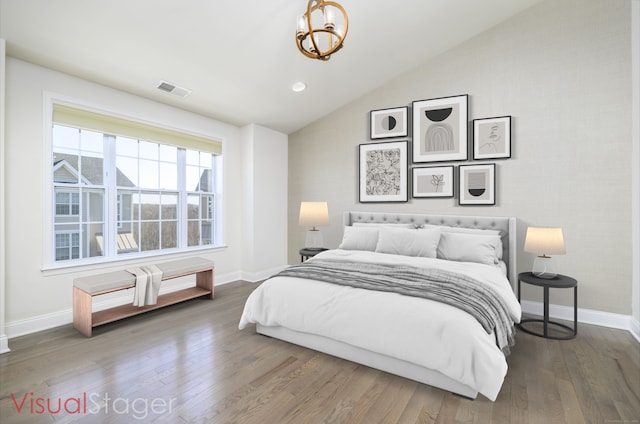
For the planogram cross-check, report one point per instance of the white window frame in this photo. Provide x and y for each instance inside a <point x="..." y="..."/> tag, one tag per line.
<point x="118" y="211"/>
<point x="49" y="248"/>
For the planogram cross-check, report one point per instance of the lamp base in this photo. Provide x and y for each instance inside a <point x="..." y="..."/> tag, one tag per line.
<point x="313" y="239"/>
<point x="544" y="267"/>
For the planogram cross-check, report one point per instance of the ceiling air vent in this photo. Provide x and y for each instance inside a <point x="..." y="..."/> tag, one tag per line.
<point x="173" y="89"/>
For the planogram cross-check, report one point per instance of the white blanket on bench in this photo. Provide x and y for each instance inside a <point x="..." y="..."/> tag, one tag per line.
<point x="147" y="287"/>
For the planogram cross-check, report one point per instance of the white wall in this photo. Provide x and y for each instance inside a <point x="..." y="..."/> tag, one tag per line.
<point x="562" y="69"/>
<point x="35" y="298"/>
<point x="264" y="153"/>
<point x="635" y="160"/>
<point x="4" y="345"/>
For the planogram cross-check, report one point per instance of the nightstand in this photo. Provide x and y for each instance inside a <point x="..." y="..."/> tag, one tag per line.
<point x="306" y="253"/>
<point x="560" y="282"/>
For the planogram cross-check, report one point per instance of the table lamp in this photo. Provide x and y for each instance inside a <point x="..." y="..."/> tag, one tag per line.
<point x="544" y="242"/>
<point x="313" y="214"/>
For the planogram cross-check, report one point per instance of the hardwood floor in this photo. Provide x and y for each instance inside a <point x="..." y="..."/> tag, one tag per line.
<point x="189" y="363"/>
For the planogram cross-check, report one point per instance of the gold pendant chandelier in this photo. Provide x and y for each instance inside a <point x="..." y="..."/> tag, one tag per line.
<point x="317" y="35"/>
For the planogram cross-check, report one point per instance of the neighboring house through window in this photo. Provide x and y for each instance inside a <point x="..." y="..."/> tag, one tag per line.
<point x="67" y="245"/>
<point x="67" y="203"/>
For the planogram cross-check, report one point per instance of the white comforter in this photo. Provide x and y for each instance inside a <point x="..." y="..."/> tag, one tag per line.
<point x="423" y="332"/>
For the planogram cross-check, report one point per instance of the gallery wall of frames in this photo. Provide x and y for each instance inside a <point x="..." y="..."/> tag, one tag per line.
<point x="420" y="165"/>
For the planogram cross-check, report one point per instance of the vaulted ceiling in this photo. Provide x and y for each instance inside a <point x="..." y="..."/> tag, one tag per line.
<point x="239" y="56"/>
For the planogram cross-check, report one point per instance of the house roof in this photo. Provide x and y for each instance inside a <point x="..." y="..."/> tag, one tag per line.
<point x="92" y="170"/>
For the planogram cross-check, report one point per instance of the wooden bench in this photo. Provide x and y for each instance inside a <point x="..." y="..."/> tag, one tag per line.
<point x="85" y="288"/>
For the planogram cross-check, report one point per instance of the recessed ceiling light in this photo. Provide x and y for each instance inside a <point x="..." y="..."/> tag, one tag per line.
<point x="298" y="86"/>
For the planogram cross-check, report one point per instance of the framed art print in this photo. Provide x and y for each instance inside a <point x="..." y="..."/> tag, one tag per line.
<point x="383" y="172"/>
<point x="440" y="129"/>
<point x="477" y="184"/>
<point x="388" y="123"/>
<point x="433" y="181"/>
<point x="492" y="138"/>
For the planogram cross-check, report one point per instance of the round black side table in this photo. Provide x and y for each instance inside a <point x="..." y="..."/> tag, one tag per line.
<point x="560" y="282"/>
<point x="306" y="253"/>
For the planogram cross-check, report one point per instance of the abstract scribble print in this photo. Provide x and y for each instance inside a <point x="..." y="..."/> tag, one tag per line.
<point x="492" y="143"/>
<point x="383" y="172"/>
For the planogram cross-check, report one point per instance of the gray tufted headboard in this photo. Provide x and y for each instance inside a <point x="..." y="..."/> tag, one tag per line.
<point x="506" y="226"/>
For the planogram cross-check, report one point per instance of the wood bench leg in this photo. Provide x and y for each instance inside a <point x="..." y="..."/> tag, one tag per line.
<point x="204" y="279"/>
<point x="82" y="311"/>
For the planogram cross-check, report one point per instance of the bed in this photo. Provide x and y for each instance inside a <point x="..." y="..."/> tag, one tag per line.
<point x="361" y="302"/>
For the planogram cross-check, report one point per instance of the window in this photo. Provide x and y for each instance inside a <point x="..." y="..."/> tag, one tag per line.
<point x="115" y="194"/>
<point x="199" y="199"/>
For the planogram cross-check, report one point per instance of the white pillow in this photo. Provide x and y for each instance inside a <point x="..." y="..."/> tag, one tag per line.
<point x="465" y="247"/>
<point x="462" y="229"/>
<point x="407" y="242"/>
<point x="382" y="224"/>
<point x="477" y="231"/>
<point x="359" y="238"/>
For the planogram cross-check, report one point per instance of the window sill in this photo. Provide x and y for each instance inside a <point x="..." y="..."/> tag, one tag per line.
<point x="96" y="263"/>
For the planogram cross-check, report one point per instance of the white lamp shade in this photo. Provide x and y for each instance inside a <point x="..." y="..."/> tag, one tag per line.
<point x="544" y="241"/>
<point x="313" y="214"/>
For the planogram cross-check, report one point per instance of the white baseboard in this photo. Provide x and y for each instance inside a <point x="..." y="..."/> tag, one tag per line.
<point x="4" y="344"/>
<point x="64" y="317"/>
<point x="585" y="316"/>
<point x="635" y="329"/>
<point x="39" y="323"/>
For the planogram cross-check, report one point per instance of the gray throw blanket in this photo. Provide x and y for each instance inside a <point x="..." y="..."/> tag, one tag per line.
<point x="460" y="291"/>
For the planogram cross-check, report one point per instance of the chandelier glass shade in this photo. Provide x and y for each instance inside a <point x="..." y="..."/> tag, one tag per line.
<point x="321" y="29"/>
